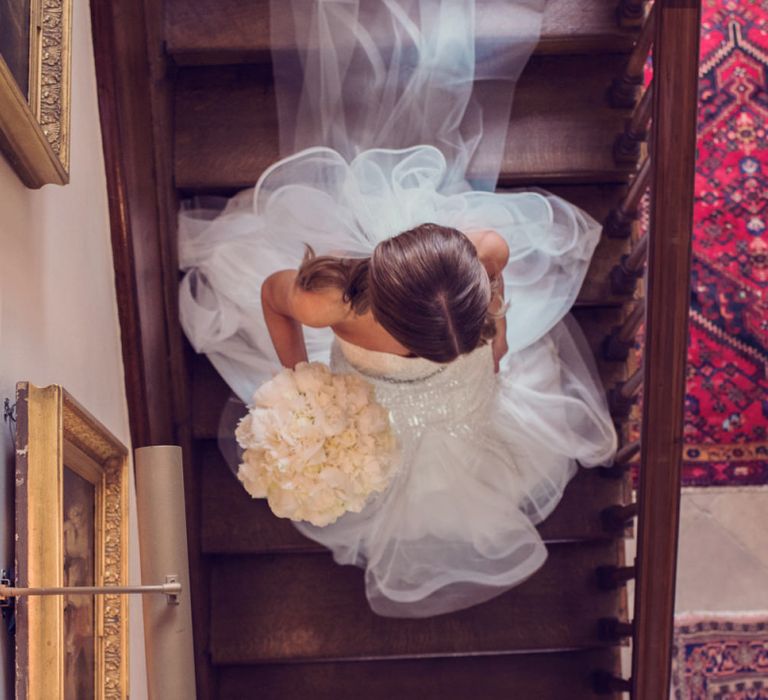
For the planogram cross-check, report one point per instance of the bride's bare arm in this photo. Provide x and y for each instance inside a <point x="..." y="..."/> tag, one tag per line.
<point x="287" y="307"/>
<point x="493" y="252"/>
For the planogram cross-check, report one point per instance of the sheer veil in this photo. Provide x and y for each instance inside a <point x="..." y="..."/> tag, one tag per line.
<point x="391" y="113"/>
<point x="360" y="74"/>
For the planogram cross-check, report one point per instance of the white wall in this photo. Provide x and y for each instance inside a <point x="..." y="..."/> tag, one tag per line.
<point x="58" y="313"/>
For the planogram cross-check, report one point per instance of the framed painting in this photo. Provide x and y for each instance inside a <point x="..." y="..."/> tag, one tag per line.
<point x="71" y="530"/>
<point x="35" y="49"/>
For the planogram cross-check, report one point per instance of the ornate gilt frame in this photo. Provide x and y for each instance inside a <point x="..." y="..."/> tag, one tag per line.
<point x="34" y="132"/>
<point x="52" y="427"/>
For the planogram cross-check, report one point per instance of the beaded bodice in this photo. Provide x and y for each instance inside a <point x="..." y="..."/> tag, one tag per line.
<point x="421" y="393"/>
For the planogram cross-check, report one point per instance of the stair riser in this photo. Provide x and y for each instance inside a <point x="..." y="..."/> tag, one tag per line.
<point x="561" y="130"/>
<point x="274" y="607"/>
<point x="556" y="676"/>
<point x="231" y="31"/>
<point x="235" y="523"/>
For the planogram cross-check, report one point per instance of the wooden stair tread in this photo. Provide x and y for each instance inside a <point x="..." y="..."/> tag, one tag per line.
<point x="561" y="128"/>
<point x="267" y="608"/>
<point x="535" y="677"/>
<point x="235" y="523"/>
<point x="232" y="31"/>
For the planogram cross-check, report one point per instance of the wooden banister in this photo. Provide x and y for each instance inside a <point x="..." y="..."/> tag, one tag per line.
<point x="626" y="452"/>
<point x="619" y="342"/>
<point x="622" y="397"/>
<point x="673" y="138"/>
<point x="630" y="387"/>
<point x="630" y="13"/>
<point x="605" y="683"/>
<point x="620" y="220"/>
<point x="623" y="92"/>
<point x="627" y="146"/>
<point x="616" y="519"/>
<point x="611" y="629"/>
<point x="624" y="276"/>
<point x="609" y="577"/>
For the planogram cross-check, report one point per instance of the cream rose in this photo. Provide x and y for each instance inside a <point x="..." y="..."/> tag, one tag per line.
<point x="316" y="444"/>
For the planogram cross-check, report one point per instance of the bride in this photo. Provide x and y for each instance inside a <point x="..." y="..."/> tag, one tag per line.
<point x="378" y="245"/>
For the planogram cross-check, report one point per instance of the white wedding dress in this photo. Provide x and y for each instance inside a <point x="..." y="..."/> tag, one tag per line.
<point x="386" y="124"/>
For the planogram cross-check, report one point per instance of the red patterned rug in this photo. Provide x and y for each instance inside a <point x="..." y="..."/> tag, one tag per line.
<point x="726" y="417"/>
<point x="726" y="426"/>
<point x="720" y="657"/>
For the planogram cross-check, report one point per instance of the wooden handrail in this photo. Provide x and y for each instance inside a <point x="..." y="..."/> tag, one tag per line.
<point x="624" y="89"/>
<point x="626" y="149"/>
<point x="620" y="220"/>
<point x="673" y="138"/>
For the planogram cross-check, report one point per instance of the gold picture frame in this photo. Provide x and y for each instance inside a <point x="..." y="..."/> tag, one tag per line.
<point x="71" y="529"/>
<point x="34" y="117"/>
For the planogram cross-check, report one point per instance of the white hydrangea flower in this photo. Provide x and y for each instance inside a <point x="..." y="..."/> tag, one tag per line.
<point x="316" y="444"/>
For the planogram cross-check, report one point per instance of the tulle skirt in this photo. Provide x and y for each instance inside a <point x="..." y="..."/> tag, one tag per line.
<point x="393" y="113"/>
<point x="485" y="457"/>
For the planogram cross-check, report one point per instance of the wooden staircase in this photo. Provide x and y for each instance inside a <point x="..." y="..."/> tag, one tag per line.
<point x="275" y="618"/>
<point x="285" y="620"/>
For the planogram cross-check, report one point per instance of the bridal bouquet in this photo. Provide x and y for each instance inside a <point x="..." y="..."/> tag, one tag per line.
<point x="316" y="444"/>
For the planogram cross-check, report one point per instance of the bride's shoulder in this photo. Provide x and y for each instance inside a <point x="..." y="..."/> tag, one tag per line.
<point x="491" y="247"/>
<point x="317" y="308"/>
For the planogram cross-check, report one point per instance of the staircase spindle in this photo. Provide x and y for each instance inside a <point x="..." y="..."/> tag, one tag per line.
<point x="610" y="577"/>
<point x="624" y="90"/>
<point x="626" y="149"/>
<point x="616" y="519"/>
<point x="605" y="683"/>
<point x="611" y="629"/>
<point x="631" y="386"/>
<point x="627" y="452"/>
<point x="624" y="276"/>
<point x="620" y="220"/>
<point x="617" y="470"/>
<point x="630" y="13"/>
<point x="621" y="340"/>
<point x="621" y="398"/>
<point x="621" y="461"/>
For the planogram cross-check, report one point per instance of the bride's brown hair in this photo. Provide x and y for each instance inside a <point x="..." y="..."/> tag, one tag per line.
<point x="426" y="287"/>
